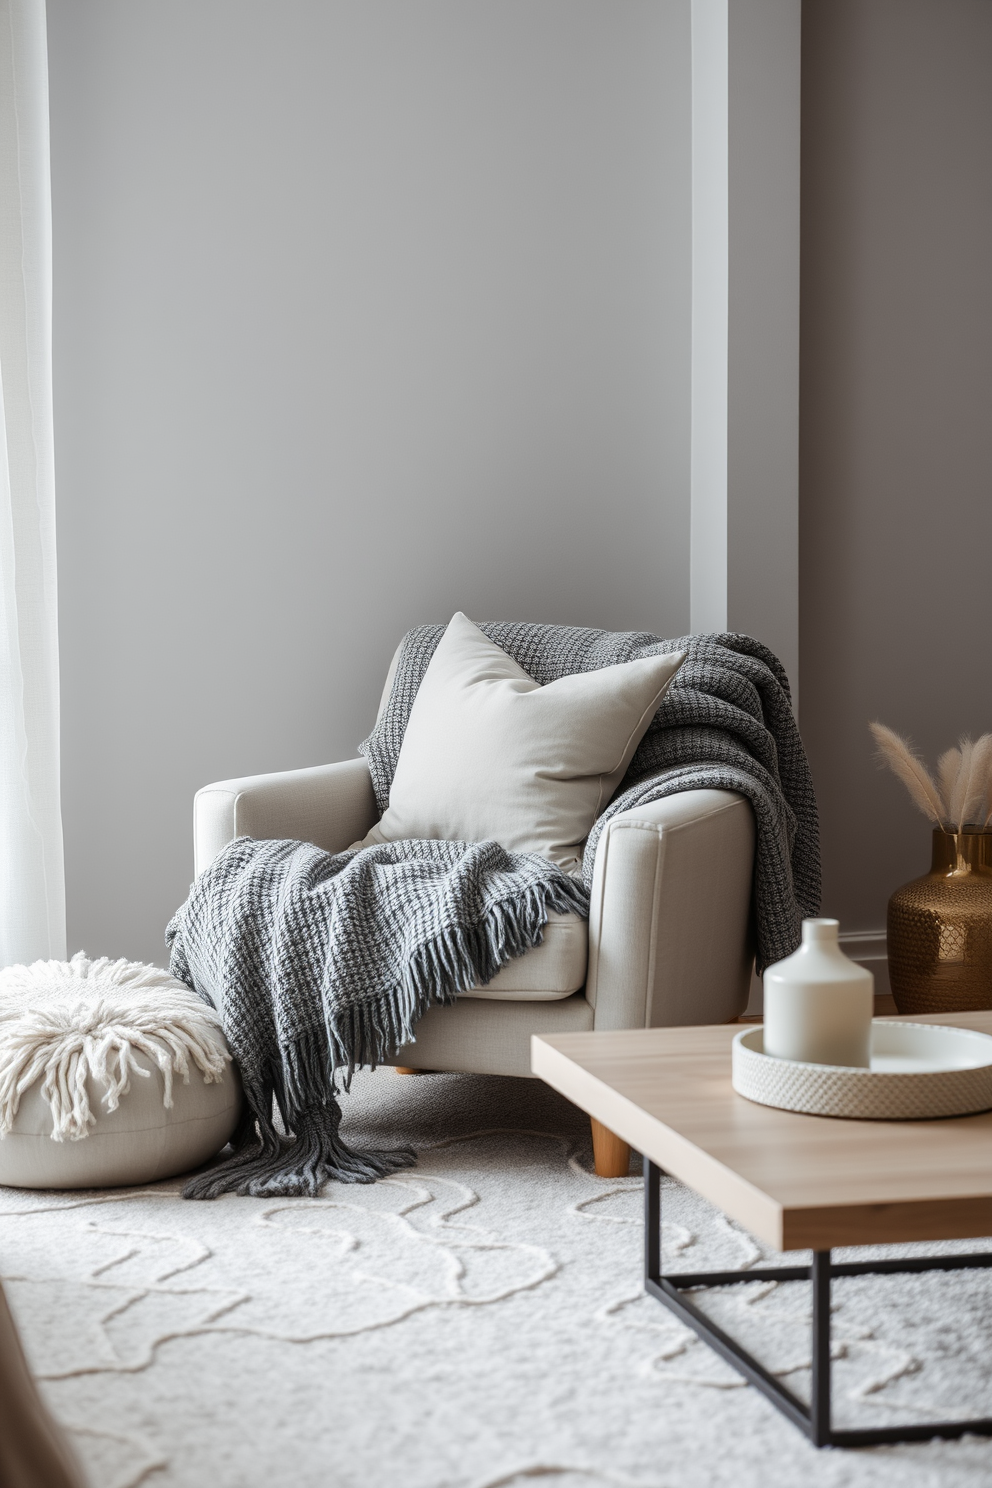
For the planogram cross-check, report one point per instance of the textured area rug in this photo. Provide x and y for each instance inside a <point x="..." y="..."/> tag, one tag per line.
<point x="475" y="1322"/>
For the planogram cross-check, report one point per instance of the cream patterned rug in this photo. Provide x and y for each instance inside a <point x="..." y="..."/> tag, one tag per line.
<point x="476" y="1322"/>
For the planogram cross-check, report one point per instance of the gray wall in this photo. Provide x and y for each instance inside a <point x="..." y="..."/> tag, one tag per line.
<point x="896" y="414"/>
<point x="365" y="310"/>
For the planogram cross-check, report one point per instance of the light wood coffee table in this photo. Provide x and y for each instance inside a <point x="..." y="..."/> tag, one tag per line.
<point x="797" y="1182"/>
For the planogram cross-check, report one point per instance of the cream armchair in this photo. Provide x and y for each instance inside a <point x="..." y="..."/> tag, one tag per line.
<point x="667" y="941"/>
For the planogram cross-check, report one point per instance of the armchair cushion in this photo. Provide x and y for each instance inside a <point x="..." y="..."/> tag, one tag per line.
<point x="556" y="968"/>
<point x="490" y="753"/>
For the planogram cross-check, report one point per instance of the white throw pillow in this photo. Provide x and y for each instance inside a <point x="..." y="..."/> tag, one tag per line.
<point x="490" y="753"/>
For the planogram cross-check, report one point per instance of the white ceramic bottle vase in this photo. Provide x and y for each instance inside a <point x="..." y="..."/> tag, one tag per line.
<point x="818" y="1003"/>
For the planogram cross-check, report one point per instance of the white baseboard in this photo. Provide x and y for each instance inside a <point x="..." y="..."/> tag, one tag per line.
<point x="867" y="947"/>
<point x="864" y="945"/>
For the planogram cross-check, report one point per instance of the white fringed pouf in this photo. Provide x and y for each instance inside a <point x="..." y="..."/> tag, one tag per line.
<point x="111" y="1073"/>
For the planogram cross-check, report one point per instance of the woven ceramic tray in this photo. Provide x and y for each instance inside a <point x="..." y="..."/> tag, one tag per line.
<point x="918" y="1070"/>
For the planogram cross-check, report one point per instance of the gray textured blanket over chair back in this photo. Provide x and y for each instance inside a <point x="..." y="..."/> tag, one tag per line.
<point x="725" y="723"/>
<point x="323" y="961"/>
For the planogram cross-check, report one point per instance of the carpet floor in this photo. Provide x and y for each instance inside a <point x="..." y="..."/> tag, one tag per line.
<point x="476" y="1322"/>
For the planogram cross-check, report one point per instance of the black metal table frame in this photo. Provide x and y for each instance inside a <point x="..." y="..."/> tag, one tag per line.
<point x="813" y="1419"/>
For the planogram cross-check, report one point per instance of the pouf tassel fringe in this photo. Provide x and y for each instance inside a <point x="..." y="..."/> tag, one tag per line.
<point x="99" y="1039"/>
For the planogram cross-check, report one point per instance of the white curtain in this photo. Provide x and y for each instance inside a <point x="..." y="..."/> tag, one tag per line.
<point x="32" y="885"/>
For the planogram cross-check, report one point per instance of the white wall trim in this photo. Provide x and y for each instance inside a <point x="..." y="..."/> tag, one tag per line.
<point x="710" y="315"/>
<point x="744" y="440"/>
<point x="864" y="945"/>
<point x="867" y="947"/>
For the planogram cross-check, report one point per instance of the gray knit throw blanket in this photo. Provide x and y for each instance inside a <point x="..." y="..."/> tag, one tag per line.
<point x="319" y="962"/>
<point x="725" y="723"/>
<point x="322" y="962"/>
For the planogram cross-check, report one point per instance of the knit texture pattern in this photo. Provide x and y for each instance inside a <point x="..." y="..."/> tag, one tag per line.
<point x="726" y="723"/>
<point x="321" y="962"/>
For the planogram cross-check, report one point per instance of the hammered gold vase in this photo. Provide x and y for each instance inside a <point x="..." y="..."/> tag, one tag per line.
<point x="940" y="929"/>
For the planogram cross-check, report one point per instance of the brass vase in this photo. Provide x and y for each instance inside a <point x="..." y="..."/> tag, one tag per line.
<point x="940" y="929"/>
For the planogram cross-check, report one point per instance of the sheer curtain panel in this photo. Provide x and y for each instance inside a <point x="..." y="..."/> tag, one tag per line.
<point x="32" y="884"/>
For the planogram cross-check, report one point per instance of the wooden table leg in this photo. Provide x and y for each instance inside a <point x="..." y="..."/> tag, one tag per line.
<point x="611" y="1155"/>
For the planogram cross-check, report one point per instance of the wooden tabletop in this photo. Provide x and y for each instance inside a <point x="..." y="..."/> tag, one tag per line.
<point x="794" y="1181"/>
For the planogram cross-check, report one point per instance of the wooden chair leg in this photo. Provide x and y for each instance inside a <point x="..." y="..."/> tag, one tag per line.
<point x="612" y="1157"/>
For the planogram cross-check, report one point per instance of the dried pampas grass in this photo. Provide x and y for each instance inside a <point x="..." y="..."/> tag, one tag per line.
<point x="960" y="796"/>
<point x="903" y="762"/>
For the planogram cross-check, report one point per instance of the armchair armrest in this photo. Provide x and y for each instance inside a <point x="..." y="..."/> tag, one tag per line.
<point x="669" y="924"/>
<point x="331" y="805"/>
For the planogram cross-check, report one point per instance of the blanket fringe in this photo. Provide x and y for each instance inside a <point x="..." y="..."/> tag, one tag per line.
<point x="273" y="1166"/>
<point x="266" y="1164"/>
<point x="469" y="955"/>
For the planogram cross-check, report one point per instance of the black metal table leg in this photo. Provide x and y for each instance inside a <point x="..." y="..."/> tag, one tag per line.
<point x="652" y="1219"/>
<point x="813" y="1419"/>
<point x="819" y="1400"/>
